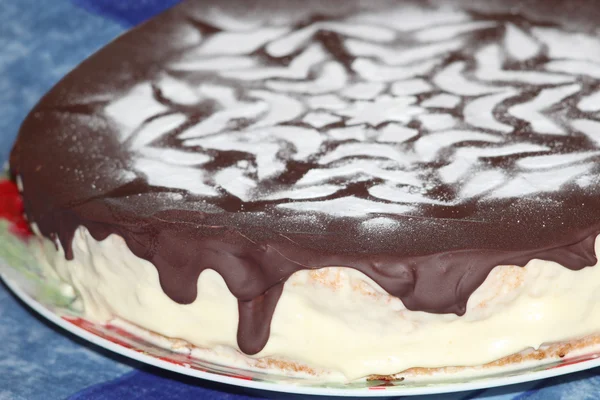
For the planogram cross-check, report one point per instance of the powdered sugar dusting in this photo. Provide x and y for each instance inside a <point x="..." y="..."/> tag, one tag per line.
<point x="402" y="105"/>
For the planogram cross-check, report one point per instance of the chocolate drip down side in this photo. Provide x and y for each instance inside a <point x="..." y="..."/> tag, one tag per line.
<point x="279" y="158"/>
<point x="256" y="272"/>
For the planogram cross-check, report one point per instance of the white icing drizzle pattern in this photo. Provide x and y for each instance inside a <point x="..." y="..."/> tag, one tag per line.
<point x="403" y="106"/>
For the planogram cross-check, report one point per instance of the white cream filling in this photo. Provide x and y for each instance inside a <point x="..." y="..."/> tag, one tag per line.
<point x="337" y="319"/>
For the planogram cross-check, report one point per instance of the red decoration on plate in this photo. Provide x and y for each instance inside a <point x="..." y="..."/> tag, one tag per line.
<point x="576" y="360"/>
<point x="11" y="208"/>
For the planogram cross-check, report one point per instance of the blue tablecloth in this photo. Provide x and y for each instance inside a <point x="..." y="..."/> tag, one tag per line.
<point x="41" y="40"/>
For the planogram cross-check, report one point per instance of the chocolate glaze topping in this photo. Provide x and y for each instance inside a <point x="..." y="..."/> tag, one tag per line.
<point x="422" y="144"/>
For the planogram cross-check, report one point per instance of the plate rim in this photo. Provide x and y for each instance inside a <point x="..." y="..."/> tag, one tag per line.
<point x="478" y="384"/>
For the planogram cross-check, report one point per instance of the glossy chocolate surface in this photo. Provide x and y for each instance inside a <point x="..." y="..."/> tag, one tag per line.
<point x="422" y="144"/>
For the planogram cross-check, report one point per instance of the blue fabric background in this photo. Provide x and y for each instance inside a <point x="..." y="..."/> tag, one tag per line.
<point x="40" y="41"/>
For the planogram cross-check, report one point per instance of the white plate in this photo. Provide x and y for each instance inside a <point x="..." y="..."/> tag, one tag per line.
<point x="124" y="343"/>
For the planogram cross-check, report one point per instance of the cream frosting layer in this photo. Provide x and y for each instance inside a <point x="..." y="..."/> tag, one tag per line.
<point x="355" y="329"/>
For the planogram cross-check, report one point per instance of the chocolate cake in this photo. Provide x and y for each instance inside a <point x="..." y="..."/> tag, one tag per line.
<point x="354" y="188"/>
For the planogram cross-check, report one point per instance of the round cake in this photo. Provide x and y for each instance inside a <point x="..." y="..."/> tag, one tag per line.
<point x="335" y="190"/>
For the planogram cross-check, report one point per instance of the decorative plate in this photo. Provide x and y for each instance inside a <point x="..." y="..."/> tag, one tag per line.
<point x="47" y="297"/>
